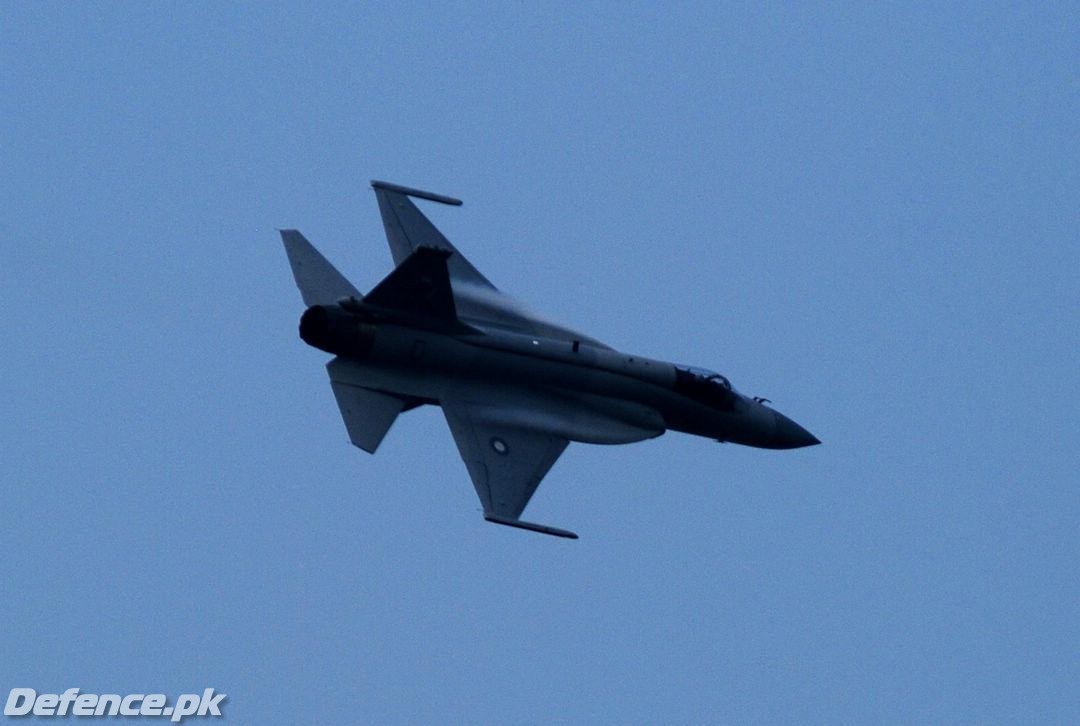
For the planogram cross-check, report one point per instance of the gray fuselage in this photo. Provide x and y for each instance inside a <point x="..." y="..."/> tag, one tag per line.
<point x="582" y="390"/>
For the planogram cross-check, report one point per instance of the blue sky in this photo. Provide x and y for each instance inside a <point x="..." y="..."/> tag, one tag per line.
<point x="866" y="212"/>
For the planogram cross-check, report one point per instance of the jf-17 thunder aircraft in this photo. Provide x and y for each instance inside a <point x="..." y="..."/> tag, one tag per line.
<point x="515" y="389"/>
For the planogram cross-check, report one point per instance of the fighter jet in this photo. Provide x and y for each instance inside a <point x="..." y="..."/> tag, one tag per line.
<point x="515" y="389"/>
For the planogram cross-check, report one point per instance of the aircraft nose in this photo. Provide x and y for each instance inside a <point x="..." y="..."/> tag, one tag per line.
<point x="790" y="435"/>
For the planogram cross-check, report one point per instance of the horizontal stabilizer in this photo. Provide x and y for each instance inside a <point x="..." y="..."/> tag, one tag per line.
<point x="531" y="526"/>
<point x="368" y="414"/>
<point x="420" y="285"/>
<point x="319" y="282"/>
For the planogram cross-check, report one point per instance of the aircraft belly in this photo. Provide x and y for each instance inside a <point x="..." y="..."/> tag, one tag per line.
<point x="575" y="420"/>
<point x="381" y="377"/>
<point x="575" y="416"/>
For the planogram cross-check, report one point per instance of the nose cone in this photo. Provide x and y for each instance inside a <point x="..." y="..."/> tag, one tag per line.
<point x="790" y="435"/>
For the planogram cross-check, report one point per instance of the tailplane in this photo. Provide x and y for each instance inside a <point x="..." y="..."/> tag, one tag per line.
<point x="367" y="414"/>
<point x="319" y="282"/>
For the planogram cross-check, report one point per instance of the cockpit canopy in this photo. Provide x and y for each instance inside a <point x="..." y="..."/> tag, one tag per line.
<point x="706" y="374"/>
<point x="705" y="386"/>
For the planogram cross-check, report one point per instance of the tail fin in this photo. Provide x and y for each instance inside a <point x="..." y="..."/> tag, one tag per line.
<point x="420" y="285"/>
<point x="319" y="282"/>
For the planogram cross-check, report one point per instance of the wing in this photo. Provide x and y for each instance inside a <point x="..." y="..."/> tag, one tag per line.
<point x="506" y="463"/>
<point x="476" y="299"/>
<point x="408" y="229"/>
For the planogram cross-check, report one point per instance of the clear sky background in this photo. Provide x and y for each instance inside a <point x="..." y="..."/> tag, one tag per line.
<point x="867" y="212"/>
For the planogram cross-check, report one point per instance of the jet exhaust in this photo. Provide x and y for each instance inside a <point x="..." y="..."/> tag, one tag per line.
<point x="332" y="329"/>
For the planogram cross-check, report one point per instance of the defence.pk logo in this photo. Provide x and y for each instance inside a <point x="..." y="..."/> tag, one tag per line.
<point x="26" y="701"/>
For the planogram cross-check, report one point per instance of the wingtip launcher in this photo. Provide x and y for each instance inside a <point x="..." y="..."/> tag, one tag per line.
<point x="418" y="193"/>
<point x="531" y="526"/>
